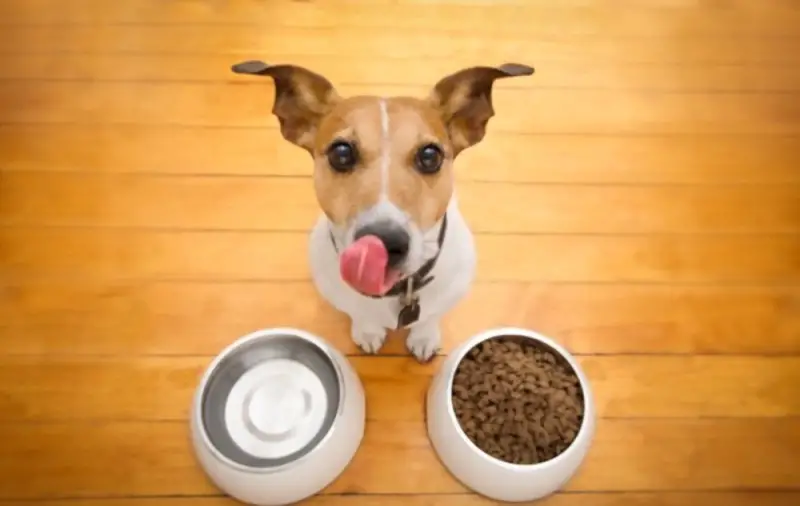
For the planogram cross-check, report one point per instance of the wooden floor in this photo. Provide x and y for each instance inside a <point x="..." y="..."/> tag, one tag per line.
<point x="637" y="199"/>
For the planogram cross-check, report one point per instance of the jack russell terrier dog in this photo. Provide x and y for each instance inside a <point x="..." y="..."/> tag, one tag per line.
<point x="391" y="248"/>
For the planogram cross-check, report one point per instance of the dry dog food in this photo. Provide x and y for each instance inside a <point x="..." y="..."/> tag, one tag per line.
<point x="517" y="402"/>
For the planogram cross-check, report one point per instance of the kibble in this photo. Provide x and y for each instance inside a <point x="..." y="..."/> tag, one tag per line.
<point x="516" y="401"/>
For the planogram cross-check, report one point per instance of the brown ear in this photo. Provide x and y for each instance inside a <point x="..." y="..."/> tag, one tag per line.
<point x="465" y="101"/>
<point x="302" y="98"/>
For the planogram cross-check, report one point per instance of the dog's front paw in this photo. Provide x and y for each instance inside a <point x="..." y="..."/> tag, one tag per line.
<point x="424" y="341"/>
<point x="369" y="338"/>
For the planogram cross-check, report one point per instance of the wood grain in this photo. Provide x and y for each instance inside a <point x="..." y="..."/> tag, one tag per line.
<point x="522" y="19"/>
<point x="389" y="42"/>
<point x="217" y="203"/>
<point x="561" y="499"/>
<point x="624" y="387"/>
<point x="246" y="103"/>
<point x="645" y="212"/>
<point x="140" y="318"/>
<point x="600" y="159"/>
<point x="120" y="254"/>
<point x="38" y="460"/>
<point x="655" y="76"/>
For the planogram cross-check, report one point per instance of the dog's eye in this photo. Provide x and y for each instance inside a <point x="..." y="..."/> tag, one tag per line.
<point x="429" y="159"/>
<point x="342" y="156"/>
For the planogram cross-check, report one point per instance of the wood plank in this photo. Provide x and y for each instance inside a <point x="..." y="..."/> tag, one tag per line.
<point x="154" y="458"/>
<point x="562" y="499"/>
<point x="32" y="389"/>
<point x="135" y="254"/>
<point x="499" y="158"/>
<point x="156" y="318"/>
<point x="282" y="204"/>
<point x="701" y="96"/>
<point x="539" y="17"/>
<point x="246" y="104"/>
<point x="673" y="77"/>
<point x="392" y="42"/>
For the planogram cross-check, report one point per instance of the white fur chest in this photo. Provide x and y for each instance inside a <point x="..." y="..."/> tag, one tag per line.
<point x="452" y="276"/>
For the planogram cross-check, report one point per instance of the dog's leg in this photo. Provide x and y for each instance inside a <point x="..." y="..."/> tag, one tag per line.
<point x="424" y="340"/>
<point x="368" y="336"/>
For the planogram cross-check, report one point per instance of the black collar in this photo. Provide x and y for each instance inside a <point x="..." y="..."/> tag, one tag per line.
<point x="420" y="278"/>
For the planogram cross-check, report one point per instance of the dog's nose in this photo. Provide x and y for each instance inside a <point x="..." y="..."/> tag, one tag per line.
<point x="394" y="238"/>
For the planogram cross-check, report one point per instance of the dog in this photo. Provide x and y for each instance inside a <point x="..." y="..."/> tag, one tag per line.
<point x="390" y="248"/>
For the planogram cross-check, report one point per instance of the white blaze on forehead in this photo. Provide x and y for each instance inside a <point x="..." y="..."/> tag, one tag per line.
<point x="384" y="209"/>
<point x="385" y="145"/>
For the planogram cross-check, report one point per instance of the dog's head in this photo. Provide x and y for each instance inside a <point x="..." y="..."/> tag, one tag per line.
<point x="383" y="170"/>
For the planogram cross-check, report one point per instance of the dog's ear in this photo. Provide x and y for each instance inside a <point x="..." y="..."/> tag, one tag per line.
<point x="464" y="100"/>
<point x="302" y="98"/>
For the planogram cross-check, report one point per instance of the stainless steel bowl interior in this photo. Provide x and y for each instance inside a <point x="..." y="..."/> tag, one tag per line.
<point x="241" y="359"/>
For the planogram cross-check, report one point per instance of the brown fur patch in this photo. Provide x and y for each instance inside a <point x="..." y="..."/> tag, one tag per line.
<point x="343" y="196"/>
<point x="412" y="124"/>
<point x="387" y="134"/>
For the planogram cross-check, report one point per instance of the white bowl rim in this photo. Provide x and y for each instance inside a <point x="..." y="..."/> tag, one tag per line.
<point x="535" y="336"/>
<point x="197" y="414"/>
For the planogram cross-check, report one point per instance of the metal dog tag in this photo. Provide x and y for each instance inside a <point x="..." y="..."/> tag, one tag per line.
<point x="408" y="315"/>
<point x="410" y="310"/>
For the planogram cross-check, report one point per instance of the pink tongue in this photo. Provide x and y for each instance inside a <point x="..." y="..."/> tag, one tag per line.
<point x="363" y="266"/>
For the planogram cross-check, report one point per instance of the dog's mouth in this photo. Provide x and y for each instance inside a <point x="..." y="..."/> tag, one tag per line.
<point x="364" y="265"/>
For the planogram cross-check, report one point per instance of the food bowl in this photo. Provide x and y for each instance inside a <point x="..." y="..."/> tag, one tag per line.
<point x="478" y="470"/>
<point x="278" y="415"/>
